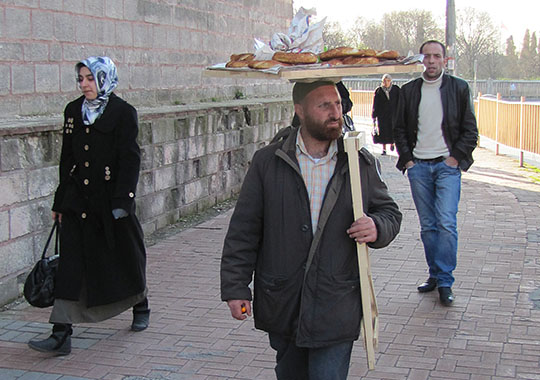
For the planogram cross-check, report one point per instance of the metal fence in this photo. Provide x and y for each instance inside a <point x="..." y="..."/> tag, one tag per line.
<point x="515" y="124"/>
<point x="509" y="90"/>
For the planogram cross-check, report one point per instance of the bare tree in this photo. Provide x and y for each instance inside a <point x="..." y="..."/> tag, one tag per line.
<point x="334" y="36"/>
<point x="476" y="39"/>
<point x="403" y="31"/>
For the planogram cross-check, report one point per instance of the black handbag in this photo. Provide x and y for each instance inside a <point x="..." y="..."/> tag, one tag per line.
<point x="39" y="285"/>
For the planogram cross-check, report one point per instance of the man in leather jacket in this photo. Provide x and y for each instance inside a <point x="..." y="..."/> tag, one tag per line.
<point x="435" y="134"/>
<point x="293" y="232"/>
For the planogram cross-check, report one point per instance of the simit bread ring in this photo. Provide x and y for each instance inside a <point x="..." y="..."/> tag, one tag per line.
<point x="360" y="61"/>
<point x="295" y="58"/>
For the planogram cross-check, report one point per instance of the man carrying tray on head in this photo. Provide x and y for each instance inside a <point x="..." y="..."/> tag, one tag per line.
<point x="293" y="227"/>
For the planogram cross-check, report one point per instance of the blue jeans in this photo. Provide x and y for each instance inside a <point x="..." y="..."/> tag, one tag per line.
<point x="299" y="363"/>
<point x="436" y="189"/>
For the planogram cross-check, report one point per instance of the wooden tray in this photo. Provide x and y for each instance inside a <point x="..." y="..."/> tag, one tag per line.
<point x="312" y="72"/>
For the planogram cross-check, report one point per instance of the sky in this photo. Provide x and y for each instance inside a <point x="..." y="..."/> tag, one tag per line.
<point x="511" y="16"/>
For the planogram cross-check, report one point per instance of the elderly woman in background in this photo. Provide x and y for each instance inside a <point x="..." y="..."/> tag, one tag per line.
<point x="102" y="269"/>
<point x="385" y="103"/>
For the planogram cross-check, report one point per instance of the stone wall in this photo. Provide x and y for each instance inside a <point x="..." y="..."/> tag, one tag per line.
<point x="160" y="46"/>
<point x="192" y="158"/>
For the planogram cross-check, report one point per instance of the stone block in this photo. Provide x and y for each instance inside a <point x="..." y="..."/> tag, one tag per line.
<point x="105" y="34"/>
<point x="169" y="76"/>
<point x="190" y="18"/>
<point x="43" y="104"/>
<point x="147" y="157"/>
<point x="196" y="189"/>
<point x="196" y="146"/>
<point x="95" y="8"/>
<point x="56" y="5"/>
<point x="157" y="157"/>
<point x="163" y="130"/>
<point x="210" y="164"/>
<point x="170" y="153"/>
<point x="64" y="28"/>
<point x="142" y="36"/>
<point x="9" y="289"/>
<point x="124" y="36"/>
<point x="42" y="25"/>
<point x="16" y="255"/>
<point x="11" y="51"/>
<point x="85" y="32"/>
<point x="182" y="172"/>
<point x="114" y="9"/>
<point x="146" y="184"/>
<point x="159" y="39"/>
<point x="23" y="79"/>
<point x="10" y="106"/>
<point x="156" y="13"/>
<point x="28" y="218"/>
<point x="67" y="78"/>
<point x="4" y="225"/>
<point x="10" y="156"/>
<point x="173" y="37"/>
<point x="13" y="187"/>
<point x="167" y="219"/>
<point x="145" y="133"/>
<point x="34" y="52"/>
<point x="165" y="178"/>
<point x="42" y="182"/>
<point x="47" y="78"/>
<point x="56" y="52"/>
<point x="18" y="23"/>
<point x="5" y="79"/>
<point x="232" y="139"/>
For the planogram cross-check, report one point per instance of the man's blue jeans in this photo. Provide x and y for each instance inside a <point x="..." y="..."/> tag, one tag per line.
<point x="436" y="188"/>
<point x="299" y="363"/>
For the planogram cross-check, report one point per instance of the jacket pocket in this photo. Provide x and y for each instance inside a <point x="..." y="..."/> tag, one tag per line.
<point x="338" y="314"/>
<point x="276" y="303"/>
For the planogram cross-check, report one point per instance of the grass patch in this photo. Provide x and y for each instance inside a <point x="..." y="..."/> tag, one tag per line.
<point x="532" y="172"/>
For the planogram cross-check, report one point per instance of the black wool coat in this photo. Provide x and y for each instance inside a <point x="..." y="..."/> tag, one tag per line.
<point x="384" y="110"/>
<point x="99" y="171"/>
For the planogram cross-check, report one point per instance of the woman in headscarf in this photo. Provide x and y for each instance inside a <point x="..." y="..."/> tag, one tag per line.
<point x="384" y="105"/>
<point x="102" y="255"/>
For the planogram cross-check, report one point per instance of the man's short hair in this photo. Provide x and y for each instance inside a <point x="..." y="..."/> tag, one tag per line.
<point x="434" y="42"/>
<point x="301" y="89"/>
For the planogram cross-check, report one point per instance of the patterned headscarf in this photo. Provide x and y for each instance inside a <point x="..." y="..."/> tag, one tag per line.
<point x="104" y="71"/>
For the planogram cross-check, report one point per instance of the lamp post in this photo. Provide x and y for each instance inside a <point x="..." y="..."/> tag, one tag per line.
<point x="451" y="35"/>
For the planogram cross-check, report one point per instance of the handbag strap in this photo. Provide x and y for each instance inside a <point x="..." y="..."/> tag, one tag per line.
<point x="54" y="228"/>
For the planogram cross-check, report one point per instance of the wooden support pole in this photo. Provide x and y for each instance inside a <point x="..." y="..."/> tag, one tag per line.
<point x="370" y="320"/>
<point x="521" y="104"/>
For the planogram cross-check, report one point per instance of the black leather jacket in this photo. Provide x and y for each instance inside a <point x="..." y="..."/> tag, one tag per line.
<point x="458" y="126"/>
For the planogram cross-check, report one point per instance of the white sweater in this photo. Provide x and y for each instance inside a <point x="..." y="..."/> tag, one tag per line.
<point x="430" y="141"/>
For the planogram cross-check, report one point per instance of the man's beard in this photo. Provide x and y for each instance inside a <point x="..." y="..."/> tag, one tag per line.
<point x="319" y="130"/>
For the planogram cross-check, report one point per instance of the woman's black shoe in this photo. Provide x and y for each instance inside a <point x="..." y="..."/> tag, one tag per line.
<point x="141" y="320"/>
<point x="58" y="343"/>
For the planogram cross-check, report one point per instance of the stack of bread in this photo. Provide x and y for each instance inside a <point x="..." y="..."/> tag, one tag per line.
<point x="351" y="56"/>
<point x="334" y="57"/>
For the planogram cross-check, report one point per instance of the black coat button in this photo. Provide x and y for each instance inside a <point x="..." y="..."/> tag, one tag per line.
<point x="305" y="228"/>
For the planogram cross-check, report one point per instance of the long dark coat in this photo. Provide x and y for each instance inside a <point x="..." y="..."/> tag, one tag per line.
<point x="99" y="171"/>
<point x="383" y="110"/>
<point x="306" y="284"/>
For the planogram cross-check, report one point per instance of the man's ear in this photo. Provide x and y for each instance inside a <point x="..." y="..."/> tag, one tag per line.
<point x="299" y="110"/>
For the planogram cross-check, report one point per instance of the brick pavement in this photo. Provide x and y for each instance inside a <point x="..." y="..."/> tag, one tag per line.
<point x="492" y="331"/>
